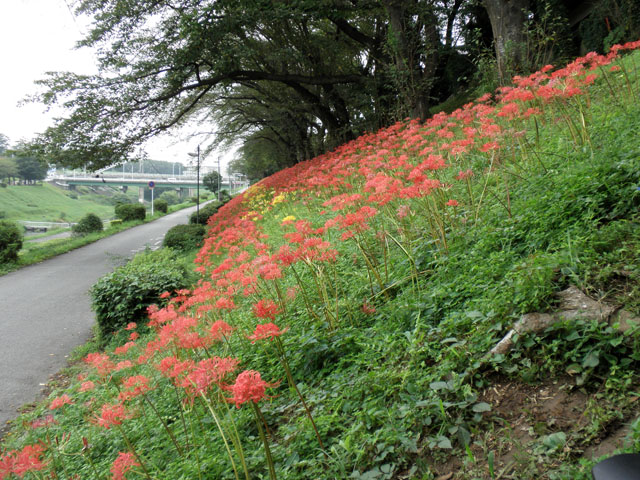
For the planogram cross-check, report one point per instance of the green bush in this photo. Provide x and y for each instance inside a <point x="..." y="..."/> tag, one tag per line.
<point x="171" y="198"/>
<point x="118" y="198"/>
<point x="161" y="206"/>
<point x="185" y="237"/>
<point x="124" y="295"/>
<point x="225" y="196"/>
<point x="88" y="224"/>
<point x="10" y="241"/>
<point x="130" y="211"/>
<point x="206" y="211"/>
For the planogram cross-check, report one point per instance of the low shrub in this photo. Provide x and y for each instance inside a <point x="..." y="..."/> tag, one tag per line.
<point x="10" y="241"/>
<point x="205" y="212"/>
<point x="88" y="224"/>
<point x="130" y="211"/>
<point x="225" y="196"/>
<point x="118" y="198"/>
<point x="124" y="295"/>
<point x="185" y="237"/>
<point x="171" y="198"/>
<point x="161" y="206"/>
<point x="115" y="222"/>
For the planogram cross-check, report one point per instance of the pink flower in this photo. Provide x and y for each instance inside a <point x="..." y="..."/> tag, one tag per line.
<point x="60" y="401"/>
<point x="266" y="330"/>
<point x="249" y="386"/>
<point x="87" y="386"/>
<point x="122" y="465"/>
<point x="112" y="415"/>
<point x="21" y="462"/>
<point x="266" y="309"/>
<point x="368" y="308"/>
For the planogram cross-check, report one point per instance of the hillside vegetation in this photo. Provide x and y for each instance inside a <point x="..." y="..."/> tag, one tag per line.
<point x="348" y="306"/>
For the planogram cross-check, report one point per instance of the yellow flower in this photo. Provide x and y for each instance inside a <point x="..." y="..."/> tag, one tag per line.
<point x="288" y="218"/>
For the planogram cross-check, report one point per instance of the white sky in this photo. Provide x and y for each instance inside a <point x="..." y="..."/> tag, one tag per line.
<point x="37" y="36"/>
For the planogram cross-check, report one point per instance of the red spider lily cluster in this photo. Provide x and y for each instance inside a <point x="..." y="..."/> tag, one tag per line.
<point x="368" y="192"/>
<point x="20" y="462"/>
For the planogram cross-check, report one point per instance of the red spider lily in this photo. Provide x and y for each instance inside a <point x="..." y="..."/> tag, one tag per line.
<point x="124" y="348"/>
<point x="225" y="304"/>
<point x="453" y="203"/>
<point x="264" y="331"/>
<point x="123" y="364"/>
<point x="206" y="373"/>
<point x="122" y="464"/>
<point x="44" y="422"/>
<point x="368" y="308"/>
<point x="133" y="387"/>
<point x="60" y="401"/>
<point x="248" y="386"/>
<point x="21" y="462"/>
<point x="87" y="386"/>
<point x="131" y="326"/>
<point x="112" y="415"/>
<point x="220" y="329"/>
<point x="266" y="308"/>
<point x="171" y="367"/>
<point x="101" y="362"/>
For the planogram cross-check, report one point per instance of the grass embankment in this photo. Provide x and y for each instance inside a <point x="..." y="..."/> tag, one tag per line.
<point x="367" y="287"/>
<point x="46" y="203"/>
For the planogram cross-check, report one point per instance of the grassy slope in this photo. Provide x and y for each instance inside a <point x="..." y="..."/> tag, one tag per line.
<point x="48" y="203"/>
<point x="388" y="343"/>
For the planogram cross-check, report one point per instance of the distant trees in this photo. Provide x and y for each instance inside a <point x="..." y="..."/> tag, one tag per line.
<point x="26" y="169"/>
<point x="8" y="170"/>
<point x="31" y="169"/>
<point x="4" y="143"/>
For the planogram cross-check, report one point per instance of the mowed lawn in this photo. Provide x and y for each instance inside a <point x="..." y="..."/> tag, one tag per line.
<point x="47" y="203"/>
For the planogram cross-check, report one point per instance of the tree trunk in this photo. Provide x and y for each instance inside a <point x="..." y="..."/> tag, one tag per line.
<point x="507" y="22"/>
<point x="415" y="57"/>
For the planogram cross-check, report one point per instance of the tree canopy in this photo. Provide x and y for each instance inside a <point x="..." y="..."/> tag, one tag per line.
<point x="211" y="181"/>
<point x="285" y="79"/>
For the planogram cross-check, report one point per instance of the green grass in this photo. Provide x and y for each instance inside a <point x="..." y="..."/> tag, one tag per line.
<point x="46" y="203"/>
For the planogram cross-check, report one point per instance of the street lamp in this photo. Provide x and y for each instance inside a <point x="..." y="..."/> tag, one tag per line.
<point x="197" y="155"/>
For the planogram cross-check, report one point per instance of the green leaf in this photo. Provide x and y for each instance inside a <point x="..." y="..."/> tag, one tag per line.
<point x="592" y="360"/>
<point x="444" y="442"/>
<point x="439" y="386"/>
<point x="481" y="407"/>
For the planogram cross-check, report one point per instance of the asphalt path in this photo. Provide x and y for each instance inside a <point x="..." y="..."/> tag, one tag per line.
<point x="45" y="309"/>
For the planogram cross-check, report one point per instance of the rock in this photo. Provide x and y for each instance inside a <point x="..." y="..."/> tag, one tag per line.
<point x="623" y="320"/>
<point x="574" y="304"/>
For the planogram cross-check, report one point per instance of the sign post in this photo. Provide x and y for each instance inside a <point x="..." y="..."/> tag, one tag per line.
<point x="151" y="185"/>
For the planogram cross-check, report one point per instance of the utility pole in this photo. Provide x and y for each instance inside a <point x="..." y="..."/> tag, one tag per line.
<point x="219" y="178"/>
<point x="197" y="155"/>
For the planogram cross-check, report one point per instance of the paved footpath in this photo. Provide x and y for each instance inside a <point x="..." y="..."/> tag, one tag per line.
<point x="45" y="309"/>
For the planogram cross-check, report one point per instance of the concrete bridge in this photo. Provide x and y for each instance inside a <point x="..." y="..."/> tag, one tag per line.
<point x="142" y="181"/>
